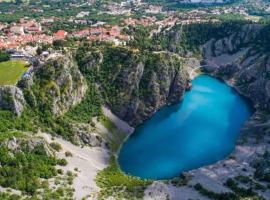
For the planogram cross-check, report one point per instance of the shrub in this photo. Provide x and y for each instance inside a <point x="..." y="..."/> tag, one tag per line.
<point x="213" y="195"/>
<point x="113" y="182"/>
<point x="68" y="154"/>
<point x="23" y="170"/>
<point x="4" y="56"/>
<point x="62" y="162"/>
<point x="56" y="146"/>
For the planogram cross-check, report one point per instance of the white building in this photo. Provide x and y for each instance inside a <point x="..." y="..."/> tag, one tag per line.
<point x="17" y="30"/>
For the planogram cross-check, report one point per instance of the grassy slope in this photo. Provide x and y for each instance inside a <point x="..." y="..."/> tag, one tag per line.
<point x="11" y="71"/>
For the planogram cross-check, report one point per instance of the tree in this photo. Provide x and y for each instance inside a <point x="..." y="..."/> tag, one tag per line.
<point x="58" y="44"/>
<point x="39" y="51"/>
<point x="4" y="56"/>
<point x="18" y="2"/>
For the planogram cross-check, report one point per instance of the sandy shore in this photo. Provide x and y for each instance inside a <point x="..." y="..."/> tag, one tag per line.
<point x="122" y="125"/>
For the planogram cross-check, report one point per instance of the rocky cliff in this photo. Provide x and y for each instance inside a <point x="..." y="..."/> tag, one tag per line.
<point x="135" y="84"/>
<point x="57" y="84"/>
<point x="11" y="98"/>
<point x="243" y="60"/>
<point x="238" y="59"/>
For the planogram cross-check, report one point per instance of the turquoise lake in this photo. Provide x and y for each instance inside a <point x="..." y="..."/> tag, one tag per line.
<point x="199" y="131"/>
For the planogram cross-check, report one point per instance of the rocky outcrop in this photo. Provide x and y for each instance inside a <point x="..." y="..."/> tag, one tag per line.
<point x="29" y="143"/>
<point x="59" y="85"/>
<point x="85" y="135"/>
<point x="11" y="98"/>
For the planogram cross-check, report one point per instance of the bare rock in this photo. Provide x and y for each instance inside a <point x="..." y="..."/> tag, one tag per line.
<point x="157" y="190"/>
<point x="11" y="98"/>
<point x="85" y="135"/>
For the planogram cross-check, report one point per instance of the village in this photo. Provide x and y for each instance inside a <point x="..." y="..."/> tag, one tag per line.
<point x="29" y="31"/>
<point x="37" y="31"/>
<point x="22" y="38"/>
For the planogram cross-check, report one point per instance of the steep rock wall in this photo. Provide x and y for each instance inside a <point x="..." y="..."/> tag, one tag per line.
<point x="237" y="59"/>
<point x="11" y="98"/>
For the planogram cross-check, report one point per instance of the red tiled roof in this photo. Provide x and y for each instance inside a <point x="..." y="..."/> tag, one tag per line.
<point x="60" y="34"/>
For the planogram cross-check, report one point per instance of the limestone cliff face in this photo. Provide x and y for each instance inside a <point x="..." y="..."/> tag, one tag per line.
<point x="135" y="85"/>
<point x="11" y="98"/>
<point x="58" y="84"/>
<point x="238" y="59"/>
<point x="144" y="92"/>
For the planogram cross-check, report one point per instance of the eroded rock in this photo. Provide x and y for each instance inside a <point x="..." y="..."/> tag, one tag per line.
<point x="11" y="98"/>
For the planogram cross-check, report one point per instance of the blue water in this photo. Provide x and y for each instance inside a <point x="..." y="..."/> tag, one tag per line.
<point x="199" y="131"/>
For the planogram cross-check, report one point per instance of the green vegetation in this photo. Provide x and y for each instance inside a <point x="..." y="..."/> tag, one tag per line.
<point x="178" y="5"/>
<point x="182" y="180"/>
<point x="56" y="146"/>
<point x="242" y="192"/>
<point x="118" y="136"/>
<point x="261" y="165"/>
<point x="68" y="154"/>
<point x="27" y="168"/>
<point x="262" y="41"/>
<point x="142" y="39"/>
<point x="213" y="195"/>
<point x="40" y="99"/>
<point x="88" y="108"/>
<point x="7" y="196"/>
<point x="23" y="169"/>
<point x="4" y="56"/>
<point x="11" y="71"/>
<point x="114" y="183"/>
<point x="230" y="17"/>
<point x="56" y="10"/>
<point x="246" y="191"/>
<point x="9" y="122"/>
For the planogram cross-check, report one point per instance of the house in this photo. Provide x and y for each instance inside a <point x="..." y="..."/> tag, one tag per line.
<point x="99" y="24"/>
<point x="115" y="31"/>
<point x="47" y="20"/>
<point x="17" y="30"/>
<point x="154" y="9"/>
<point x="80" y="21"/>
<point x="30" y="26"/>
<point x="60" y="35"/>
<point x="82" y="33"/>
<point x="82" y="14"/>
<point x="33" y="29"/>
